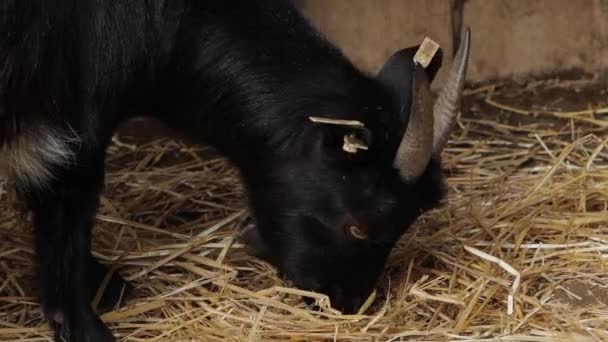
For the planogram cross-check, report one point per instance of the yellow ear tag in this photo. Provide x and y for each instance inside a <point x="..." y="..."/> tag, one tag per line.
<point x="426" y="52"/>
<point x="337" y="122"/>
<point x="352" y="144"/>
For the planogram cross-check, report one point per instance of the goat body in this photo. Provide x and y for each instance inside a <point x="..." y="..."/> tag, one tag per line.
<point x="242" y="76"/>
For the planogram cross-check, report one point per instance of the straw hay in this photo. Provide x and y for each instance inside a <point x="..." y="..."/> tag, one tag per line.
<point x="524" y="228"/>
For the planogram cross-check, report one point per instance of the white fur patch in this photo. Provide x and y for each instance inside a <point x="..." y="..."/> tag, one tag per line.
<point x="30" y="158"/>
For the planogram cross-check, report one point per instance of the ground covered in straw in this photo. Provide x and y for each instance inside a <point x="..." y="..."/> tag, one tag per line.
<point x="519" y="251"/>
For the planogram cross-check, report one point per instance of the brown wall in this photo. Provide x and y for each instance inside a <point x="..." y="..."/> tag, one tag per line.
<point x="510" y="37"/>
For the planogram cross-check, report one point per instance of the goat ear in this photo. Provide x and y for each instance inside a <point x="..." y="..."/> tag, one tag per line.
<point x="397" y="75"/>
<point x="402" y="62"/>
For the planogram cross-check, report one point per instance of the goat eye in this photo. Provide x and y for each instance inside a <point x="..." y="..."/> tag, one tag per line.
<point x="355" y="232"/>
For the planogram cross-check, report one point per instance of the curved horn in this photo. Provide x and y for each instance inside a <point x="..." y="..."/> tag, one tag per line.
<point x="416" y="145"/>
<point x="448" y="103"/>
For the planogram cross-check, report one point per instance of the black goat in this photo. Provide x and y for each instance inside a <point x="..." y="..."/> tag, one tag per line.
<point x="244" y="77"/>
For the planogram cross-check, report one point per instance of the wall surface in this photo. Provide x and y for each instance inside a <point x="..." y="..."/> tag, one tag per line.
<point x="510" y="37"/>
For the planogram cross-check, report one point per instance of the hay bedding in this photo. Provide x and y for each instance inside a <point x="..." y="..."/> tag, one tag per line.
<point x="524" y="229"/>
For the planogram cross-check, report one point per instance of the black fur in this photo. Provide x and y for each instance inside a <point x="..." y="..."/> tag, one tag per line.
<point x="243" y="76"/>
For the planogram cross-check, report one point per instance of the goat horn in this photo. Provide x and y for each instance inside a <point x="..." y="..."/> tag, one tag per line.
<point x="448" y="103"/>
<point x="416" y="145"/>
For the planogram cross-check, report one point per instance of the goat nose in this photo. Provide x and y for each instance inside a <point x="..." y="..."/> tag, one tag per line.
<point x="348" y="304"/>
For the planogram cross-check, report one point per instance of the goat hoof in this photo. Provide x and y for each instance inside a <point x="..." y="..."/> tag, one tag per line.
<point x="83" y="328"/>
